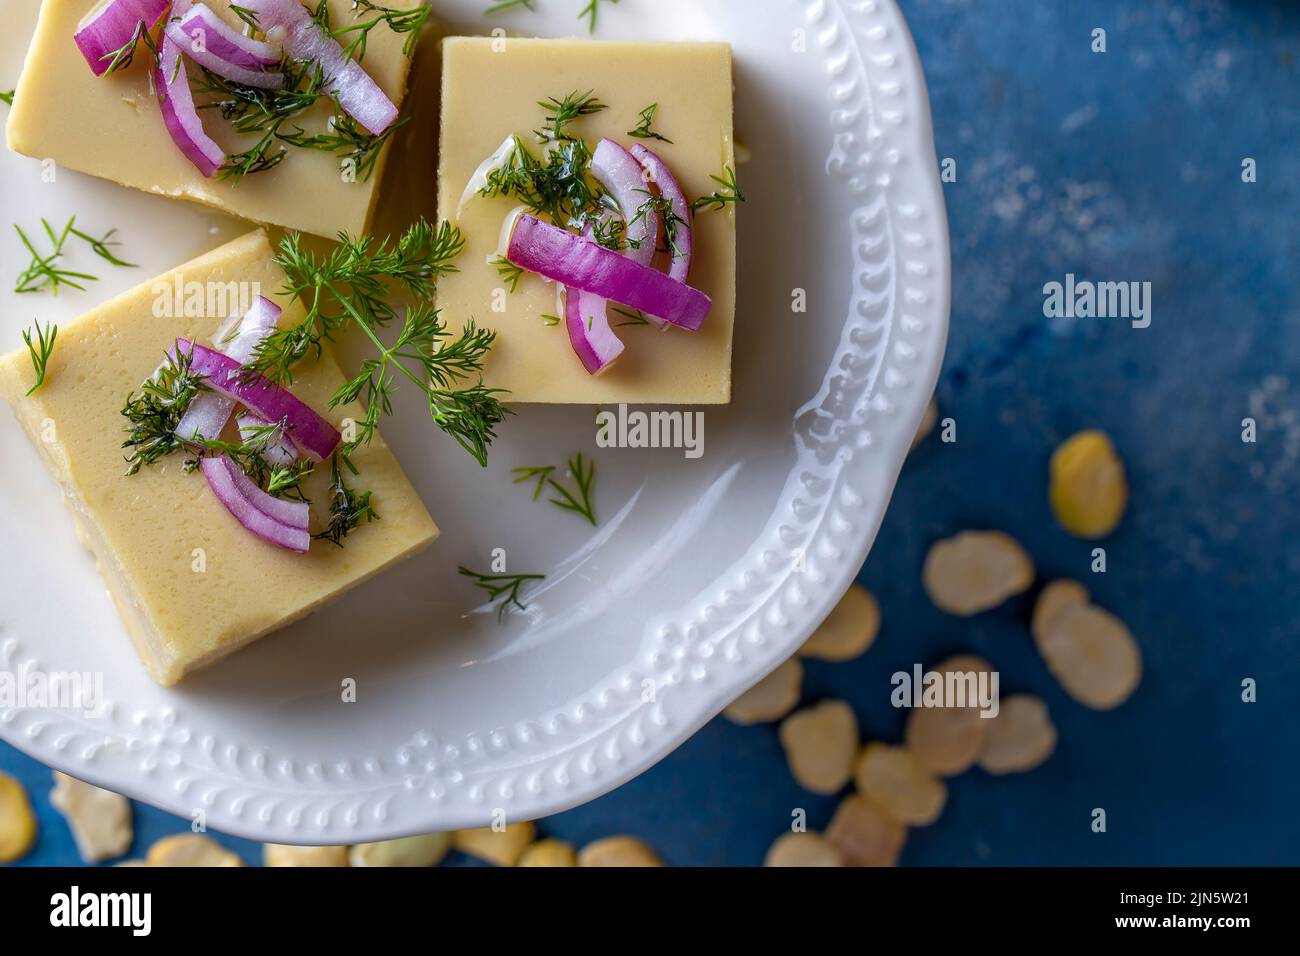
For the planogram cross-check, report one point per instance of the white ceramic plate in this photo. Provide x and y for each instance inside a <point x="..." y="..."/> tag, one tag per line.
<point x="703" y="576"/>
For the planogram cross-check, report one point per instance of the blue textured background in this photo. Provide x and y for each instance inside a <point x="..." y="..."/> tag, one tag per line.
<point x="1122" y="166"/>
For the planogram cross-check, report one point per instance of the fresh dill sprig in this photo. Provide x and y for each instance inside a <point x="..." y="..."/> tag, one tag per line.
<point x="7" y="98"/>
<point x="345" y="138"/>
<point x="351" y="285"/>
<point x="249" y="17"/>
<point x="251" y="109"/>
<point x="558" y="187"/>
<point x="348" y="508"/>
<point x="671" y="221"/>
<point x="500" y="6"/>
<point x="154" y="415"/>
<point x="282" y="481"/>
<point x="643" y="130"/>
<point x="124" y="55"/>
<point x="631" y="318"/>
<point x="540" y="475"/>
<point x="502" y="586"/>
<point x="589" y="13"/>
<point x="729" y="195"/>
<point x="42" y="273"/>
<point x="40" y="350"/>
<point x="509" y="272"/>
<point x="409" y="22"/>
<point x="256" y="159"/>
<point x="550" y="320"/>
<point x="579" y="500"/>
<point x="560" y="113"/>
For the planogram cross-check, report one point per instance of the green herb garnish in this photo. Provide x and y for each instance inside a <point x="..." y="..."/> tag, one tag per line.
<point x="409" y="22"/>
<point x="282" y="481"/>
<point x="730" y="194"/>
<point x="124" y="55"/>
<point x="500" y="6"/>
<point x="502" y="585"/>
<point x="155" y="414"/>
<point x="551" y="320"/>
<point x="509" y="272"/>
<point x="560" y="113"/>
<point x="558" y="187"/>
<point x="7" y="98"/>
<point x="589" y="13"/>
<point x="348" y="509"/>
<point x="579" y="499"/>
<point x="643" y="130"/>
<point x="351" y="285"/>
<point x="636" y="317"/>
<point x="40" y="350"/>
<point x="42" y="273"/>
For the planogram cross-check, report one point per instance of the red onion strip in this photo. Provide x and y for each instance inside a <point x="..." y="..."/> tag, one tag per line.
<point x="580" y="263"/>
<point x="288" y="24"/>
<point x="313" y="435"/>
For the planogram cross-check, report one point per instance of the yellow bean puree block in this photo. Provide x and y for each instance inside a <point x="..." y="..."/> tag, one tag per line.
<point x="182" y="606"/>
<point x="112" y="127"/>
<point x="491" y="88"/>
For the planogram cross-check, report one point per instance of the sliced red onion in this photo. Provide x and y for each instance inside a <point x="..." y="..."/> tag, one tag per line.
<point x="657" y="172"/>
<point x="582" y="264"/>
<point x="221" y="474"/>
<point x="209" y="411"/>
<point x="587" y="315"/>
<point x="294" y="514"/>
<point x="587" y="320"/>
<point x="313" y="435"/>
<point x="478" y="182"/>
<point x="223" y="40"/>
<point x="193" y="45"/>
<point x="624" y="179"/>
<point x="110" y="26"/>
<point x="279" y="452"/>
<point x="179" y="113"/>
<point x="288" y="24"/>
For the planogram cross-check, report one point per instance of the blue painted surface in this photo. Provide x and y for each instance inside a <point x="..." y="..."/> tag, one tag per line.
<point x="1116" y="166"/>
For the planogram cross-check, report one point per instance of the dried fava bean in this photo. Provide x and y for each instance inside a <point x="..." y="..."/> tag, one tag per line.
<point x="1054" y="598"/>
<point x="549" y="852"/>
<point x="100" y="820"/>
<point x="17" y="821"/>
<point x="976" y="571"/>
<point x="771" y="698"/>
<point x="1088" y="491"/>
<point x="864" y="834"/>
<point x="1021" y="737"/>
<point x="499" y="847"/>
<point x="928" y="421"/>
<point x="820" y="744"/>
<point x="948" y="740"/>
<point x="618" y="851"/>
<point x="893" y="779"/>
<point x="425" y="849"/>
<point x="191" y="849"/>
<point x="849" y="630"/>
<point x="803" y="850"/>
<point x="1091" y="653"/>
<point x="283" y="854"/>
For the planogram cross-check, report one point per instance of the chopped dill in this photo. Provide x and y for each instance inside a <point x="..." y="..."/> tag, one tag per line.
<point x="643" y="130"/>
<point x="730" y="194"/>
<point x="40" y="350"/>
<point x="502" y="586"/>
<point x="348" y="508"/>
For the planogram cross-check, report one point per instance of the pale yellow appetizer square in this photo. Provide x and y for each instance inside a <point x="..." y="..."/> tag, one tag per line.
<point x="492" y="88"/>
<point x="112" y="127"/>
<point x="190" y="583"/>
